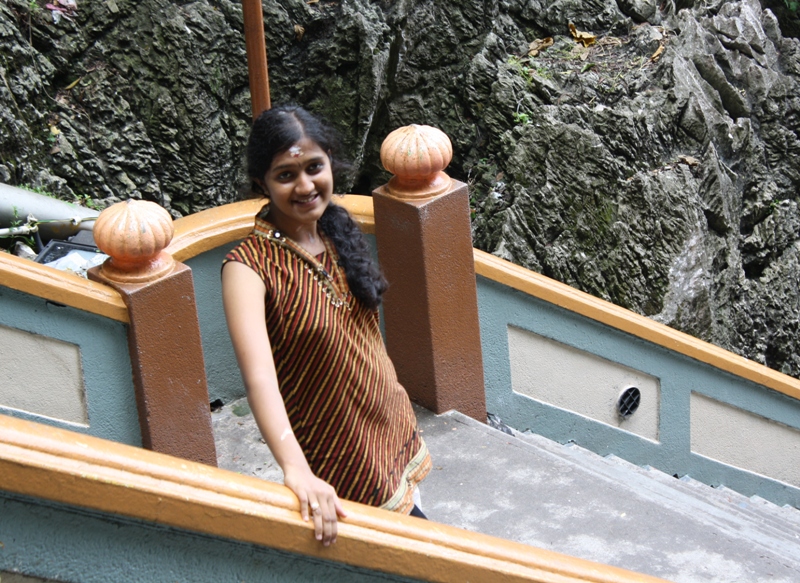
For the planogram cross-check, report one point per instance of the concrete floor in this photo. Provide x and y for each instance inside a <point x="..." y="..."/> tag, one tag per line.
<point x="569" y="500"/>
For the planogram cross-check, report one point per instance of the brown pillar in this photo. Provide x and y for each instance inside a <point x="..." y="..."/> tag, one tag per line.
<point x="256" y="48"/>
<point x="422" y="227"/>
<point x="164" y="333"/>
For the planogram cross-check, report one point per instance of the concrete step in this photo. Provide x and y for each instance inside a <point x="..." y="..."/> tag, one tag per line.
<point x="691" y="498"/>
<point x="785" y="518"/>
<point x="567" y="499"/>
<point x="732" y="512"/>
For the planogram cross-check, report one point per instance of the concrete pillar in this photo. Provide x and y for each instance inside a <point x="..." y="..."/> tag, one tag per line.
<point x="164" y="333"/>
<point x="422" y="226"/>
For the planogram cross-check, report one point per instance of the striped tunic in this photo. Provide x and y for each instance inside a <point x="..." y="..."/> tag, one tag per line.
<point x="350" y="414"/>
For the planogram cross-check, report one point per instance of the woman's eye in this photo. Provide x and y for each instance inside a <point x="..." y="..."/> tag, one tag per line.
<point x="315" y="167"/>
<point x="284" y="176"/>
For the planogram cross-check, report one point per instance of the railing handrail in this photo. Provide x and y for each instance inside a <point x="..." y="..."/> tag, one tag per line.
<point x="61" y="287"/>
<point x="211" y="228"/>
<point x="569" y="298"/>
<point x="208" y="229"/>
<point x="194" y="234"/>
<point x="70" y="468"/>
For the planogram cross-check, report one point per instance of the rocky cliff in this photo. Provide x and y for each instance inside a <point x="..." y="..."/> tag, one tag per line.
<point x="648" y="154"/>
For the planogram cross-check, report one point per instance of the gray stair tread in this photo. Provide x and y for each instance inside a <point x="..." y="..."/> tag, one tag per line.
<point x="572" y="501"/>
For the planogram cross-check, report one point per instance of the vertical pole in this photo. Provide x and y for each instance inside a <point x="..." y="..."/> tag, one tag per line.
<point x="422" y="227"/>
<point x="256" y="56"/>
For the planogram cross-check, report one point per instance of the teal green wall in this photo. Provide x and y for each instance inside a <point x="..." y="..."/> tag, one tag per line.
<point x="222" y="372"/>
<point x="679" y="375"/>
<point x="68" y="544"/>
<point x="107" y="377"/>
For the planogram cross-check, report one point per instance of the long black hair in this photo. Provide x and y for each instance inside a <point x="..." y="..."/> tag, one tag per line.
<point x="275" y="131"/>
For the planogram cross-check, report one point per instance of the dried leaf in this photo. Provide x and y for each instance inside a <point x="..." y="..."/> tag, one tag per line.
<point x="538" y="45"/>
<point x="610" y="41"/>
<point x="73" y="84"/>
<point x="657" y="55"/>
<point x="689" y="160"/>
<point x="312" y="1"/>
<point x="585" y="38"/>
<point x="299" y="31"/>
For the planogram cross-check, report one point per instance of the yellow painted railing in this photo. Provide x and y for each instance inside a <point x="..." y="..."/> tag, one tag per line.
<point x="61" y="287"/>
<point x="70" y="468"/>
<point x="208" y="229"/>
<point x="579" y="302"/>
<point x="214" y="227"/>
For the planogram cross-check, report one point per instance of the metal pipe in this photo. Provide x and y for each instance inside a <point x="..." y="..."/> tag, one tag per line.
<point x="256" y="55"/>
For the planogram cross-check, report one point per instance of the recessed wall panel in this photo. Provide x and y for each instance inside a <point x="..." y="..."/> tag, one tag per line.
<point x="743" y="439"/>
<point x="41" y="375"/>
<point x="581" y="382"/>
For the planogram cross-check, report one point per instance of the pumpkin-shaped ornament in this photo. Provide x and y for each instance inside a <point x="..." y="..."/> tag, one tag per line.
<point x="417" y="156"/>
<point x="134" y="234"/>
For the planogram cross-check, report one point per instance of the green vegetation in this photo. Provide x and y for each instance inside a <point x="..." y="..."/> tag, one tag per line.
<point x="522" y="118"/>
<point x="12" y="239"/>
<point x="79" y="199"/>
<point x="528" y="70"/>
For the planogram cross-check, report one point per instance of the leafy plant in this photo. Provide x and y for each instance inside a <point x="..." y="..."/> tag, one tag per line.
<point x="792" y="5"/>
<point x="37" y="190"/>
<point x="522" y="118"/>
<point x="87" y="201"/>
<point x="16" y="221"/>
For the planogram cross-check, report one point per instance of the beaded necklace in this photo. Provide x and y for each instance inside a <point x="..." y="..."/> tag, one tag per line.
<point x="334" y="285"/>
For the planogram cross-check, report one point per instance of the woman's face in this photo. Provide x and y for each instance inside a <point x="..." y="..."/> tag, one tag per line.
<point x="300" y="186"/>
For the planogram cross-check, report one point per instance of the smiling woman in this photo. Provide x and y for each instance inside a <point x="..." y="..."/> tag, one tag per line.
<point x="300" y="187"/>
<point x="301" y="297"/>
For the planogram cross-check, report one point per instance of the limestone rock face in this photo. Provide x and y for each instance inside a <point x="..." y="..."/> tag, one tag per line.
<point x="655" y="171"/>
<point x="649" y="156"/>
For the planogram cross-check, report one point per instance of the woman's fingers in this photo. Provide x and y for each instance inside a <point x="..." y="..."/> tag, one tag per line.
<point x="319" y="523"/>
<point x="318" y="503"/>
<point x="303" y="506"/>
<point x="324" y="515"/>
<point x="331" y="524"/>
<point x="338" y="508"/>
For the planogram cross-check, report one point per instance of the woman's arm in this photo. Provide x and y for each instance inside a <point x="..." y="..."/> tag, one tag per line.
<point x="243" y="295"/>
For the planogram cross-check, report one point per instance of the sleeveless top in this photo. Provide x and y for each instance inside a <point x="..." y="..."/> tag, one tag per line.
<point x="351" y="416"/>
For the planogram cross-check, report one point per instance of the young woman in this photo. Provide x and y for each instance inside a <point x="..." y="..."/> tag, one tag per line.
<point x="301" y="295"/>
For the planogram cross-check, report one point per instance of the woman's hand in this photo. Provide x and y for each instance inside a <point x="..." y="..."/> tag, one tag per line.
<point x="317" y="499"/>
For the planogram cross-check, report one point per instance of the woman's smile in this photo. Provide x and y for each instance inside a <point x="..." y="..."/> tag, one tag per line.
<point x="300" y="186"/>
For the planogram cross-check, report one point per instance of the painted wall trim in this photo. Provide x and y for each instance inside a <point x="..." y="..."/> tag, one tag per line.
<point x="61" y="287"/>
<point x="70" y="468"/>
<point x="581" y="303"/>
<point x="211" y="228"/>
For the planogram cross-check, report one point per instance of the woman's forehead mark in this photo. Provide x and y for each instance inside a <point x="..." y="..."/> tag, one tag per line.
<point x="295" y="164"/>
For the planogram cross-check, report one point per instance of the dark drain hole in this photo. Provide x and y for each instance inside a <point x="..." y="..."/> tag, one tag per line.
<point x="629" y="401"/>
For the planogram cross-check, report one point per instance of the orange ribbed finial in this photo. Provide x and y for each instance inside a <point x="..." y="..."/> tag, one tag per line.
<point x="417" y="156"/>
<point x="134" y="234"/>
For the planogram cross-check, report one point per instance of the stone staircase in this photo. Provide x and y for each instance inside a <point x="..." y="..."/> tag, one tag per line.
<point x="567" y="499"/>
